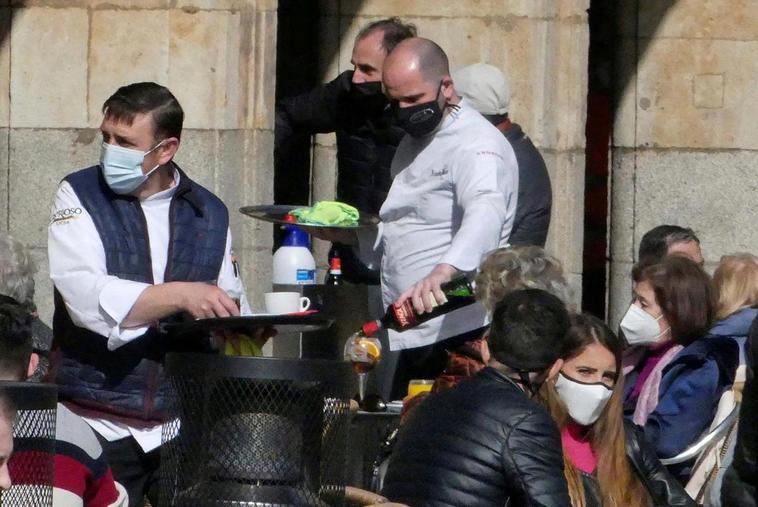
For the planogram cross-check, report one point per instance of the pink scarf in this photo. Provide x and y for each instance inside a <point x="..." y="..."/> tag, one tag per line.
<point x="648" y="398"/>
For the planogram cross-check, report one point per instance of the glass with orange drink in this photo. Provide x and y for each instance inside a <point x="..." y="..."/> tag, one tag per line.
<point x="363" y="352"/>
<point x="418" y="386"/>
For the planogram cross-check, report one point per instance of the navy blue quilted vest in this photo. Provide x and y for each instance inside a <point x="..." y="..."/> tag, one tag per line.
<point x="126" y="384"/>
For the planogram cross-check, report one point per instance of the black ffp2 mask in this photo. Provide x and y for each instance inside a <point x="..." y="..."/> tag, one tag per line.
<point x="421" y="119"/>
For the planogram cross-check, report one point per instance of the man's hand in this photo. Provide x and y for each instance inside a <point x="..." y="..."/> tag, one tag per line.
<point x="202" y="300"/>
<point x="426" y="294"/>
<point x="205" y="301"/>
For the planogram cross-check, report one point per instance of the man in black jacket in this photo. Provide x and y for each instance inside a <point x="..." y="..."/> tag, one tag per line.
<point x="353" y="106"/>
<point x="486" y="442"/>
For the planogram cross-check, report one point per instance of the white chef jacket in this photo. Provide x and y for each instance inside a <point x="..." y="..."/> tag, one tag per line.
<point x="98" y="301"/>
<point x="452" y="200"/>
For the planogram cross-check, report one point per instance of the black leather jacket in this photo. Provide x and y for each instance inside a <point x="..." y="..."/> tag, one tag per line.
<point x="664" y="489"/>
<point x="366" y="143"/>
<point x="483" y="443"/>
<point x="741" y="478"/>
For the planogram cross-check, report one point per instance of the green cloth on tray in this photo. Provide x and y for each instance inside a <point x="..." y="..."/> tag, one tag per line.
<point x="327" y="213"/>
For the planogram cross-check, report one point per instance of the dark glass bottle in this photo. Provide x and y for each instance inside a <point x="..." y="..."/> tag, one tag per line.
<point x="458" y="292"/>
<point x="335" y="272"/>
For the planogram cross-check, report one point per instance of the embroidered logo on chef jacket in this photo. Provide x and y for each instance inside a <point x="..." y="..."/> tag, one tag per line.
<point x="62" y="216"/>
<point x="488" y="152"/>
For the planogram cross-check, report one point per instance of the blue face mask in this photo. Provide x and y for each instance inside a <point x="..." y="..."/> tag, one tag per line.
<point x="122" y="167"/>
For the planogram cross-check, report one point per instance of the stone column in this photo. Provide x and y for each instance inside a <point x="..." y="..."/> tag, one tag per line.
<point x="685" y="145"/>
<point x="62" y="58"/>
<point x="543" y="48"/>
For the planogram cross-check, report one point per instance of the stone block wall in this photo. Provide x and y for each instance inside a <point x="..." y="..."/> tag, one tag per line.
<point x="542" y="45"/>
<point x="62" y="58"/>
<point x="685" y="144"/>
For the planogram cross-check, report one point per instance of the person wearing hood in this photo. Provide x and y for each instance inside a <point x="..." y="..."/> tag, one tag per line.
<point x="678" y="369"/>
<point x="489" y="91"/>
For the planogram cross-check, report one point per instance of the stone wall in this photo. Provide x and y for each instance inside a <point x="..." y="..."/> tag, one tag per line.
<point x="685" y="144"/>
<point x="61" y="59"/>
<point x="542" y="45"/>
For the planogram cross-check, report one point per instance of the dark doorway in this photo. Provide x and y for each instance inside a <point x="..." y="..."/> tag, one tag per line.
<point x="297" y="57"/>
<point x="603" y="34"/>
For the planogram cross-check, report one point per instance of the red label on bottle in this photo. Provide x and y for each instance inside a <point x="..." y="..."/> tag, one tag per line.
<point x="404" y="314"/>
<point x="370" y="328"/>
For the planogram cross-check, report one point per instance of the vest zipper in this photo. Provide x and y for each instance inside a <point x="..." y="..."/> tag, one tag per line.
<point x="147" y="408"/>
<point x="170" y="253"/>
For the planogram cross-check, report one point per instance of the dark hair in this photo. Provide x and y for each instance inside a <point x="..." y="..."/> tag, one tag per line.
<point x="395" y="31"/>
<point x="587" y="329"/>
<point x="528" y="330"/>
<point x="147" y="98"/>
<point x="15" y="339"/>
<point x="684" y="293"/>
<point x="656" y="242"/>
<point x="8" y="409"/>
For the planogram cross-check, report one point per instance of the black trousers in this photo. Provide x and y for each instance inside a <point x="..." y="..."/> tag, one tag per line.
<point x="135" y="469"/>
<point x="427" y="362"/>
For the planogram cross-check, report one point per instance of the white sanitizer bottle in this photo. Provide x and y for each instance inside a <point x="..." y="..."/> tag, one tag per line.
<point x="293" y="262"/>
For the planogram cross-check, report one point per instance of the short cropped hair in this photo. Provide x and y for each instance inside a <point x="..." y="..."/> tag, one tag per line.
<point x="683" y="291"/>
<point x="147" y="98"/>
<point x="16" y="272"/>
<point x="394" y="30"/>
<point x="528" y="330"/>
<point x="15" y="340"/>
<point x="519" y="267"/>
<point x="656" y="242"/>
<point x="735" y="282"/>
<point x="8" y="409"/>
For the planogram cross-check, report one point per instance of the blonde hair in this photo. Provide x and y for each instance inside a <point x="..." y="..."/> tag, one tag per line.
<point x="519" y="267"/>
<point x="736" y="283"/>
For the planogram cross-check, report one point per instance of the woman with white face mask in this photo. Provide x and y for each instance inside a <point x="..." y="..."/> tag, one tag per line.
<point x="677" y="372"/>
<point x="606" y="461"/>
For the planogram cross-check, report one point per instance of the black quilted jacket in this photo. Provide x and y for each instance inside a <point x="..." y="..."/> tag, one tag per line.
<point x="483" y="443"/>
<point x="741" y="478"/>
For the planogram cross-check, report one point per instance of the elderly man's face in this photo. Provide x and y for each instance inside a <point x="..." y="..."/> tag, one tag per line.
<point x="368" y="58"/>
<point x="689" y="249"/>
<point x="6" y="449"/>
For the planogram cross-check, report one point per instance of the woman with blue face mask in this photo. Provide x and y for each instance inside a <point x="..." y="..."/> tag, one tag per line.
<point x="676" y="373"/>
<point x="606" y="461"/>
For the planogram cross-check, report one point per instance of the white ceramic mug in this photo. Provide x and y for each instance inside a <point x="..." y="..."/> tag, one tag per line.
<point x="286" y="302"/>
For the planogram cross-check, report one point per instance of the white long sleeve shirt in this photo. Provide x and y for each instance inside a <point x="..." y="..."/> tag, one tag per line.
<point x="452" y="200"/>
<point x="98" y="301"/>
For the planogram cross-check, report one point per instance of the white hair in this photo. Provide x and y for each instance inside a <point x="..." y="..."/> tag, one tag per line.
<point x="16" y="272"/>
<point x="507" y="269"/>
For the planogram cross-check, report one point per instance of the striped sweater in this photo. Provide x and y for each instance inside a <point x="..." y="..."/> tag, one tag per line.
<point x="82" y="478"/>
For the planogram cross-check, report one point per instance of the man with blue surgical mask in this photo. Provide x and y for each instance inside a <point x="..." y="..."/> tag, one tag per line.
<point x="133" y="241"/>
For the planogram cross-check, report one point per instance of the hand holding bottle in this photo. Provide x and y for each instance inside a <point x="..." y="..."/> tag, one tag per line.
<point x="426" y="293"/>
